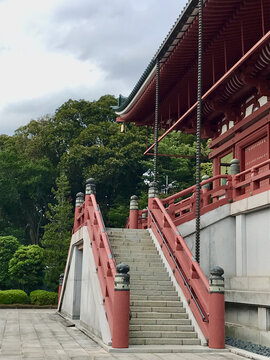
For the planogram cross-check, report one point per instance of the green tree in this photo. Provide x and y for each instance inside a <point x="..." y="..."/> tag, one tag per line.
<point x="57" y="232"/>
<point x="26" y="267"/>
<point x="8" y="246"/>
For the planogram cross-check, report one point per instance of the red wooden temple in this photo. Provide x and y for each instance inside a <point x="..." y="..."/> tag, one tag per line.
<point x="236" y="83"/>
<point x="235" y="202"/>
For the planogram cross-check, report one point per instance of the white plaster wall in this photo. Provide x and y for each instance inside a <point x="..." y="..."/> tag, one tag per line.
<point x="258" y="242"/>
<point x="92" y="314"/>
<point x="217" y="240"/>
<point x="81" y="296"/>
<point x="67" y="302"/>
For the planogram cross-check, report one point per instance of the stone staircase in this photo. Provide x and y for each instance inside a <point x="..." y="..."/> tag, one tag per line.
<point x="158" y="315"/>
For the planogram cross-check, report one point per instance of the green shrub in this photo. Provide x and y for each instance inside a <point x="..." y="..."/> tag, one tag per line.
<point x="13" y="297"/>
<point x="42" y="297"/>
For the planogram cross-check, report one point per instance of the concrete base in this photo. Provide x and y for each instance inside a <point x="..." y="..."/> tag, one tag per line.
<point x="237" y="238"/>
<point x="81" y="298"/>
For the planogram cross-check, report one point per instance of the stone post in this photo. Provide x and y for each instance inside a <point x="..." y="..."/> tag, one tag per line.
<point x="205" y="189"/>
<point x="90" y="187"/>
<point x="133" y="212"/>
<point x="235" y="169"/>
<point x="216" y="309"/>
<point x="152" y="193"/>
<point x="235" y="166"/>
<point x="79" y="199"/>
<point x="120" y="335"/>
<point x="61" y="278"/>
<point x="78" y="203"/>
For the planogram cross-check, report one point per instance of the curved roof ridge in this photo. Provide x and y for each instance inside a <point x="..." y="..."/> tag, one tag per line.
<point x="166" y="43"/>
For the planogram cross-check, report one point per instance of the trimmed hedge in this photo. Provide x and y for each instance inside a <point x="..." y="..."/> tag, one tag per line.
<point x="43" y="297"/>
<point x="13" y="297"/>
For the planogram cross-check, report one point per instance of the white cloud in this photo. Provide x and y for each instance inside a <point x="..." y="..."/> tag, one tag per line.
<point x="51" y="51"/>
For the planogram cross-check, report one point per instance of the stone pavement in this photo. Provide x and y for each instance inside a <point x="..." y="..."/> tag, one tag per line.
<point x="40" y="334"/>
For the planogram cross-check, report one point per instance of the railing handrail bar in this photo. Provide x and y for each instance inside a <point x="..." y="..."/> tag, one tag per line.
<point x="184" y="245"/>
<point x="193" y="187"/>
<point x="100" y="219"/>
<point x="178" y="268"/>
<point x="251" y="168"/>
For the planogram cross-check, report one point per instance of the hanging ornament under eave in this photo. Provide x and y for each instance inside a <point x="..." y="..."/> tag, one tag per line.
<point x="123" y="128"/>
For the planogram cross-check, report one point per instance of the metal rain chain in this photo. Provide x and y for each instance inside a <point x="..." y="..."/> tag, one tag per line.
<point x="156" y="121"/>
<point x="198" y="133"/>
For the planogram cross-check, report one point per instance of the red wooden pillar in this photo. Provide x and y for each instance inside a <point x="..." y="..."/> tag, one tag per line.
<point x="216" y="309"/>
<point x="133" y="212"/>
<point x="120" y="333"/>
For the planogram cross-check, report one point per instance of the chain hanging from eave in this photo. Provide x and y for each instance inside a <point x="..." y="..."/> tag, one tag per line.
<point x="198" y="133"/>
<point x="156" y="121"/>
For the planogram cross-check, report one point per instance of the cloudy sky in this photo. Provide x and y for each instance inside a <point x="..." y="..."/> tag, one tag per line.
<point x="54" y="50"/>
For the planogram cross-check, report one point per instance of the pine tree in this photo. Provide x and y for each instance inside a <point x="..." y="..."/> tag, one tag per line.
<point x="57" y="232"/>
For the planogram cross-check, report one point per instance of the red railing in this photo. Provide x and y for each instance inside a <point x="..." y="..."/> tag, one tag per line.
<point x="182" y="208"/>
<point x="89" y="215"/>
<point x="251" y="181"/>
<point x="187" y="271"/>
<point x="142" y="220"/>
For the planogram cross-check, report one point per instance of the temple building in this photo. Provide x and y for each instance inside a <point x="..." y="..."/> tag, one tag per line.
<point x="235" y="203"/>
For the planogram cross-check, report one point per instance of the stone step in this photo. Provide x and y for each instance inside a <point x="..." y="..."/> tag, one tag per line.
<point x="134" y="235"/>
<point x="168" y="286"/>
<point x="161" y="334"/>
<point x="128" y="234"/>
<point x="154" y="303"/>
<point x="156" y="297"/>
<point x="167" y="309"/>
<point x="140" y="261"/>
<point x="134" y="252"/>
<point x="169" y="321"/>
<point x="126" y="231"/>
<point x="159" y="315"/>
<point x="137" y="274"/>
<point x="148" y="292"/>
<point x="134" y="264"/>
<point x="133" y="247"/>
<point x="163" y="328"/>
<point x="148" y="277"/>
<point x="141" y="256"/>
<point x="149" y="281"/>
<point x="164" y="341"/>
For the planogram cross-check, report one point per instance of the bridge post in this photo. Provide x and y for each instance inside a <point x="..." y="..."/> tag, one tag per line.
<point x="234" y="166"/>
<point x="78" y="204"/>
<point x="90" y="186"/>
<point x="152" y="193"/>
<point x="133" y="212"/>
<point x="216" y="309"/>
<point x="120" y="333"/>
<point x="205" y="189"/>
<point x="234" y="169"/>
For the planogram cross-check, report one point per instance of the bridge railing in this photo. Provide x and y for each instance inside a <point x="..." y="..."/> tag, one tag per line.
<point x="116" y="302"/>
<point x="186" y="271"/>
<point x="182" y="206"/>
<point x="251" y="181"/>
<point x="204" y="301"/>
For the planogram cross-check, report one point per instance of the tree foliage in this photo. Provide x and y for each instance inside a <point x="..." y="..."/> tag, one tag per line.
<point x="26" y="267"/>
<point x="8" y="246"/>
<point x="57" y="232"/>
<point x="81" y="140"/>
